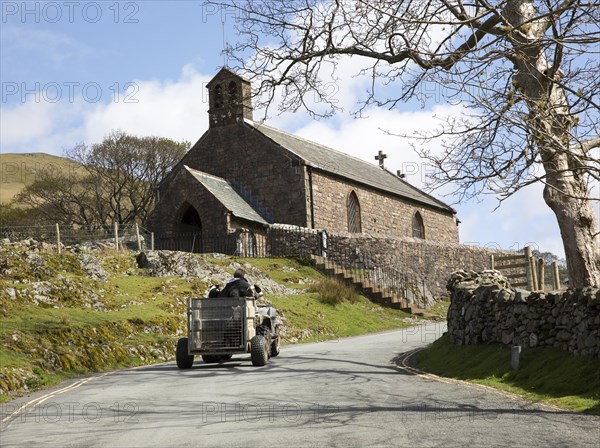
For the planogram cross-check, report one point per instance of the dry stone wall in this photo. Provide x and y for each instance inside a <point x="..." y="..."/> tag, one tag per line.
<point x="485" y="309"/>
<point x="422" y="259"/>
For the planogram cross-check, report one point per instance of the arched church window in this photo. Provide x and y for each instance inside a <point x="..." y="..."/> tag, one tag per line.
<point x="418" y="229"/>
<point x="353" y="206"/>
<point x="233" y="93"/>
<point x="218" y="96"/>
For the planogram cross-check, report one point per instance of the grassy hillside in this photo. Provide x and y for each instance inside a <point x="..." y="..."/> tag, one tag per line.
<point x="19" y="170"/>
<point x="60" y="318"/>
<point x="545" y="375"/>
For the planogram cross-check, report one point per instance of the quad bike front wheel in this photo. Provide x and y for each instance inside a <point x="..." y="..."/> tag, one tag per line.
<point x="275" y="343"/>
<point x="259" y="350"/>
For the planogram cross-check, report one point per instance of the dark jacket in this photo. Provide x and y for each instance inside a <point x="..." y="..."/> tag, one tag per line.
<point x="237" y="287"/>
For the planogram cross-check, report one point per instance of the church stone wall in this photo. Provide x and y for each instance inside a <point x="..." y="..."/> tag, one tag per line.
<point x="274" y="182"/>
<point x="381" y="213"/>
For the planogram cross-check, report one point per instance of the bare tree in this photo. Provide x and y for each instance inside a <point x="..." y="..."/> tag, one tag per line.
<point x="116" y="181"/>
<point x="526" y="72"/>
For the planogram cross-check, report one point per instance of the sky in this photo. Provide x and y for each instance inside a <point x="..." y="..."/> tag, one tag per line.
<point x="73" y="71"/>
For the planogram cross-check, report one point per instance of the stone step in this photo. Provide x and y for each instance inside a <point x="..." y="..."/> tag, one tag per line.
<point x="382" y="301"/>
<point x="413" y="310"/>
<point x="372" y="291"/>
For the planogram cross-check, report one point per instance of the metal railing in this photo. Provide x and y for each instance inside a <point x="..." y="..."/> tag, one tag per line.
<point x="383" y="277"/>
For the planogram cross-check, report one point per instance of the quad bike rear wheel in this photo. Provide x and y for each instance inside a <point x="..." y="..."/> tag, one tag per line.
<point x="184" y="360"/>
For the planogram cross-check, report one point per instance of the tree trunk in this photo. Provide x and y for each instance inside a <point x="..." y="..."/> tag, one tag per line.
<point x="578" y="228"/>
<point x="550" y="121"/>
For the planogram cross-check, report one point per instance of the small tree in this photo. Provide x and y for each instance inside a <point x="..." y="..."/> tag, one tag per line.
<point x="527" y="72"/>
<point x="116" y="182"/>
<point x="12" y="215"/>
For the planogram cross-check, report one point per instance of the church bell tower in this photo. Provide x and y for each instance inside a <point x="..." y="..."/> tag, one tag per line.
<point x="229" y="97"/>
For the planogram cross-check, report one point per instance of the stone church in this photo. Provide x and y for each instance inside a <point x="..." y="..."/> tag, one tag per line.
<point x="244" y="176"/>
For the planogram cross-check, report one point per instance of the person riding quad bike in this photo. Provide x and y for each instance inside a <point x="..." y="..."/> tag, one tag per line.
<point x="238" y="286"/>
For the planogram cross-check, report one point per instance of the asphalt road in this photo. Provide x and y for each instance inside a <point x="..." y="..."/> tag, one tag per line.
<point x="346" y="393"/>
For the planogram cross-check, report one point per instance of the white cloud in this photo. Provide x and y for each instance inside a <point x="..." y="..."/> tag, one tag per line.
<point x="174" y="109"/>
<point x="25" y="123"/>
<point x="522" y="220"/>
<point x="365" y="137"/>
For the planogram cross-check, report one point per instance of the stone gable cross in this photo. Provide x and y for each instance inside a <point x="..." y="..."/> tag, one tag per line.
<point x="380" y="157"/>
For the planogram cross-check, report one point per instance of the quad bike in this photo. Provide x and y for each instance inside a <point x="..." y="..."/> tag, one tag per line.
<point x="219" y="327"/>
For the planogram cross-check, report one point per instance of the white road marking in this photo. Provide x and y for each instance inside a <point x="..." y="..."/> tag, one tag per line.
<point x="43" y="398"/>
<point x="431" y="376"/>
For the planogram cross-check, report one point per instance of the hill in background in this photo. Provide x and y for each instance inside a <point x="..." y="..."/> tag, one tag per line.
<point x="19" y="170"/>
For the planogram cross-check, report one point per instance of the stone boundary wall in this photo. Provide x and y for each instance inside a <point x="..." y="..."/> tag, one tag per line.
<point x="430" y="261"/>
<point x="485" y="309"/>
<point x="426" y="260"/>
<point x="286" y="240"/>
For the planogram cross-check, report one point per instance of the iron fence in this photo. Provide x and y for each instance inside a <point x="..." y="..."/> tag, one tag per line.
<point x="273" y="242"/>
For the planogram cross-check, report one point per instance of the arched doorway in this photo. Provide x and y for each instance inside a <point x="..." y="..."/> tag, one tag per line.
<point x="190" y="230"/>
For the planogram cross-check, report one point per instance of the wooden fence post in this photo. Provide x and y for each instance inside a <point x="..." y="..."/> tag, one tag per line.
<point x="193" y="243"/>
<point x="528" y="270"/>
<point x="555" y="276"/>
<point x="116" y="236"/>
<point x="151" y="240"/>
<point x="541" y="275"/>
<point x="58" y="249"/>
<point x="534" y="279"/>
<point x="492" y="262"/>
<point x="137" y="236"/>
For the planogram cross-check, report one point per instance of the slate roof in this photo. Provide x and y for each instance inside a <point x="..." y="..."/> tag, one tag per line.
<point x="226" y="195"/>
<point x="352" y="168"/>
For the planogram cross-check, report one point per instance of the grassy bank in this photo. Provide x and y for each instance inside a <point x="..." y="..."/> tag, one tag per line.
<point x="56" y="322"/>
<point x="546" y="375"/>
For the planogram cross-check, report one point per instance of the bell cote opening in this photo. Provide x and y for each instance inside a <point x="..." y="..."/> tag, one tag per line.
<point x="229" y="97"/>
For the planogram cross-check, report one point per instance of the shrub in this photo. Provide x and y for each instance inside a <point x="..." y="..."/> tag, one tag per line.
<point x="333" y="292"/>
<point x="305" y="260"/>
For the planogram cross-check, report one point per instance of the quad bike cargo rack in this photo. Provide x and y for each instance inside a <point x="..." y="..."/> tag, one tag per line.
<point x="221" y="327"/>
